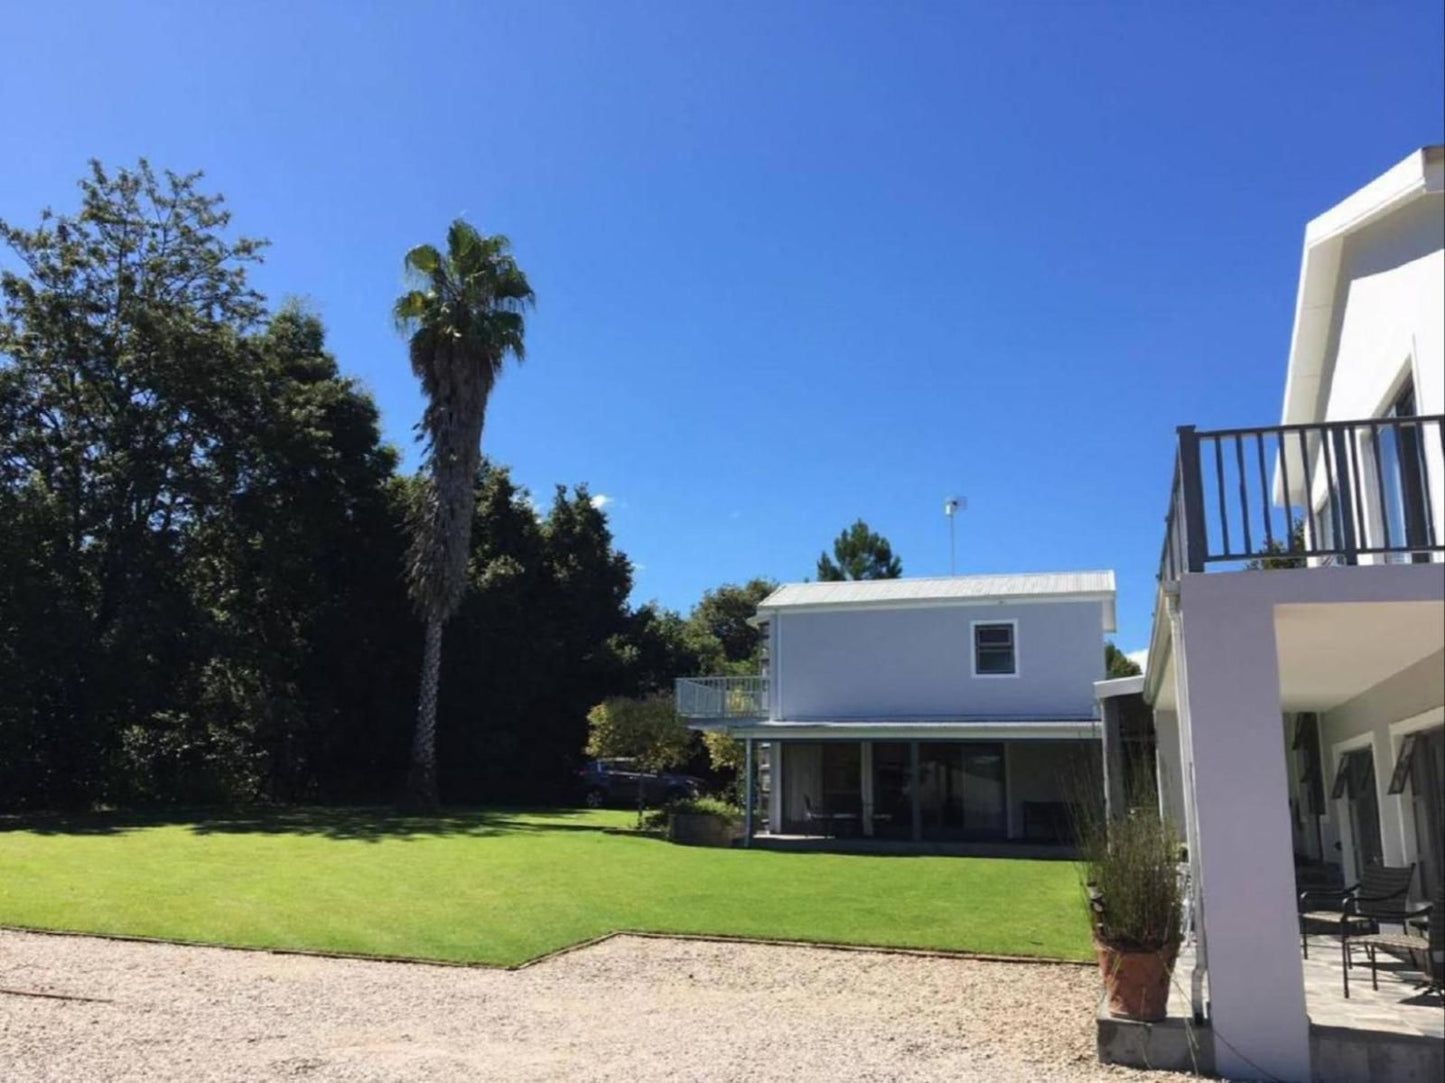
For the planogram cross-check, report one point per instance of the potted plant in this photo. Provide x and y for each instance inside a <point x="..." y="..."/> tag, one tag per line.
<point x="1132" y="879"/>
<point x="704" y="821"/>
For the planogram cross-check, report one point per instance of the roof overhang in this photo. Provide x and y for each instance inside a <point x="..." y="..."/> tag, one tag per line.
<point x="957" y="729"/>
<point x="1105" y="599"/>
<point x="1423" y="172"/>
<point x="1119" y="686"/>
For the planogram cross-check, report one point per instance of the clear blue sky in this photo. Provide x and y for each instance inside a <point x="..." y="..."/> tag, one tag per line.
<point x="795" y="263"/>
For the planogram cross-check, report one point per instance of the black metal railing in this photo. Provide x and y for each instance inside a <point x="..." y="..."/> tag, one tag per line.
<point x="1303" y="495"/>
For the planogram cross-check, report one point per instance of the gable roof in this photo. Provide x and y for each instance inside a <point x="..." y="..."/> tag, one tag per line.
<point x="1096" y="586"/>
<point x="1421" y="173"/>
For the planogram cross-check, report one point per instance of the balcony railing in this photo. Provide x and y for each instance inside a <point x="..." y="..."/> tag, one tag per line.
<point x="1302" y="495"/>
<point x="722" y="697"/>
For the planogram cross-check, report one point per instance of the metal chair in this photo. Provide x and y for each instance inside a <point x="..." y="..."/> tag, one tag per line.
<point x="813" y="817"/>
<point x="1381" y="895"/>
<point x="1430" y="948"/>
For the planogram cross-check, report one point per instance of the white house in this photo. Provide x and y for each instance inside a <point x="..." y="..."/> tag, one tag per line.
<point x="922" y="710"/>
<point x="1300" y="706"/>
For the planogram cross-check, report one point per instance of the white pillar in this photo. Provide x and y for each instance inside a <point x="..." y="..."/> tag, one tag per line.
<point x="1392" y="828"/>
<point x="1230" y="719"/>
<point x="775" y="793"/>
<point x="1115" y="799"/>
<point x="748" y="798"/>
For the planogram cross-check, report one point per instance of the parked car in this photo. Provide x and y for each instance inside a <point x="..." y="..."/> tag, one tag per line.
<point x="616" y="782"/>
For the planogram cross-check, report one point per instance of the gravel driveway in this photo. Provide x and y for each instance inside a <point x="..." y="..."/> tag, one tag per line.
<point x="629" y="1008"/>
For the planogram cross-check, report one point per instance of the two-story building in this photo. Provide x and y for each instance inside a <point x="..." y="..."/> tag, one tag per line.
<point x="1296" y="668"/>
<point x="924" y="710"/>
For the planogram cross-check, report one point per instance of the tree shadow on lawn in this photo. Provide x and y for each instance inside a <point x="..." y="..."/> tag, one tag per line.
<point x="368" y="824"/>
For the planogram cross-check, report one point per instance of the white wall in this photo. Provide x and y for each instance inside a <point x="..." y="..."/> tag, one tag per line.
<point x="1389" y="324"/>
<point x="1240" y="841"/>
<point x="895" y="663"/>
<point x="1390" y="310"/>
<point x="1170" y="769"/>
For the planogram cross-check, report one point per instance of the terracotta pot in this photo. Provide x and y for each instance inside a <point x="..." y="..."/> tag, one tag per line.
<point x="1137" y="982"/>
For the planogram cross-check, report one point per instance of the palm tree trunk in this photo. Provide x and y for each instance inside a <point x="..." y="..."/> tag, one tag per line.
<point x="421" y="783"/>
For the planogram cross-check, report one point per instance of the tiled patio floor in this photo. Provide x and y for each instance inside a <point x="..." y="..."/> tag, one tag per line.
<point x="1399" y="1007"/>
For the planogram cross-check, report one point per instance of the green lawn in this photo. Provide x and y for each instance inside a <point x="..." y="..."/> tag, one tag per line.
<point x="500" y="887"/>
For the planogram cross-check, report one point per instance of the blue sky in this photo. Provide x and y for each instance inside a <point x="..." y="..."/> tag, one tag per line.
<point x="795" y="263"/>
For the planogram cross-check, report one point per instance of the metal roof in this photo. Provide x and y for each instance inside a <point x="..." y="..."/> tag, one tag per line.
<point x="894" y="593"/>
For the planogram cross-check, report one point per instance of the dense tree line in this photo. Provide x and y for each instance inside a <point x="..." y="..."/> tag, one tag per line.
<point x="202" y="596"/>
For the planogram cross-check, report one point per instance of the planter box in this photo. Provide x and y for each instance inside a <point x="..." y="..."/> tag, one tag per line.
<point x="701" y="829"/>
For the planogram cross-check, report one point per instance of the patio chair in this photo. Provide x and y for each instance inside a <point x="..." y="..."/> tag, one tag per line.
<point x="1381" y="895"/>
<point x="1429" y="948"/>
<point x="812" y="816"/>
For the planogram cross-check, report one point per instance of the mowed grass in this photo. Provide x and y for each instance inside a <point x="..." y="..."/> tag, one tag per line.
<point x="501" y="887"/>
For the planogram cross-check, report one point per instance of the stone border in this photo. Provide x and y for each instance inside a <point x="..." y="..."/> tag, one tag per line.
<point x="714" y="938"/>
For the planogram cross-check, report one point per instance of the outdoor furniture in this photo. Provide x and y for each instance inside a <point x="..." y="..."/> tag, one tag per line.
<point x="1430" y="948"/>
<point x="1381" y="895"/>
<point x="830" y="819"/>
<point x="813" y="816"/>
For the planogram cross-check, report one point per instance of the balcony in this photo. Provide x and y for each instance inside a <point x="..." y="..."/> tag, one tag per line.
<point x="1343" y="492"/>
<point x="722" y="698"/>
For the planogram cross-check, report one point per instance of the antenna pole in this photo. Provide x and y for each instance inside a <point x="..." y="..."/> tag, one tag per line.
<point x="951" y="507"/>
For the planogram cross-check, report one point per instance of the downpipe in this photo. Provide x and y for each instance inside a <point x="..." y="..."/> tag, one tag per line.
<point x="1196" y="887"/>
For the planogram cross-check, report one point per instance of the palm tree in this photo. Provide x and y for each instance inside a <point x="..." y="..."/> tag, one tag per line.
<point x="463" y="316"/>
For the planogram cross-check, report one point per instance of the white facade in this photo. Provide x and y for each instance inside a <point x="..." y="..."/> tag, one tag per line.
<point x="927" y="709"/>
<point x="1265" y="682"/>
<point x="917" y="661"/>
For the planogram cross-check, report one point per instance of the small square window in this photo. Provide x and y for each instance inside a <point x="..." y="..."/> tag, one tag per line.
<point x="993" y="650"/>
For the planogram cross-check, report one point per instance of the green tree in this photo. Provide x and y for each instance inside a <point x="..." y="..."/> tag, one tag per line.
<point x="303" y="578"/>
<point x="1117" y="663"/>
<point x="646" y="730"/>
<point x="656" y="649"/>
<point x="199" y="588"/>
<point x="719" y="631"/>
<point x="124" y="382"/>
<point x="464" y="318"/>
<point x="859" y="553"/>
<point x="1279" y="555"/>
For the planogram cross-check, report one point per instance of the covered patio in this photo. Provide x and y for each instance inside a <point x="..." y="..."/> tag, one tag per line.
<point x="979" y="790"/>
<point x="1396" y="1032"/>
<point x="1283" y="704"/>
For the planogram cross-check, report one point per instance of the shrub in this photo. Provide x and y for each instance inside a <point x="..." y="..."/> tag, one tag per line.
<point x="1130" y="864"/>
<point x="1132" y="874"/>
<point x="716" y="807"/>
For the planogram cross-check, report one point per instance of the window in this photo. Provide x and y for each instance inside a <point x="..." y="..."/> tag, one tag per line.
<point x="1404" y="506"/>
<point x="994" y="652"/>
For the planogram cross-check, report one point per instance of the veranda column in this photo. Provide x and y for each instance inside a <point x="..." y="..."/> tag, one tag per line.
<point x="748" y="791"/>
<point x="1115" y="800"/>
<point x="775" y="787"/>
<point x="1225" y="644"/>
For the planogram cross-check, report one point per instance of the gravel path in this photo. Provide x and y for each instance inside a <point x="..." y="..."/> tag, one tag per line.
<point x="630" y="1008"/>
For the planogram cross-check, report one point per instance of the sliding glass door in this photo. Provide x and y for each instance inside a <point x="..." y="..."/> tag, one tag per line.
<point x="892" y="790"/>
<point x="984" y="813"/>
<point x="961" y="790"/>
